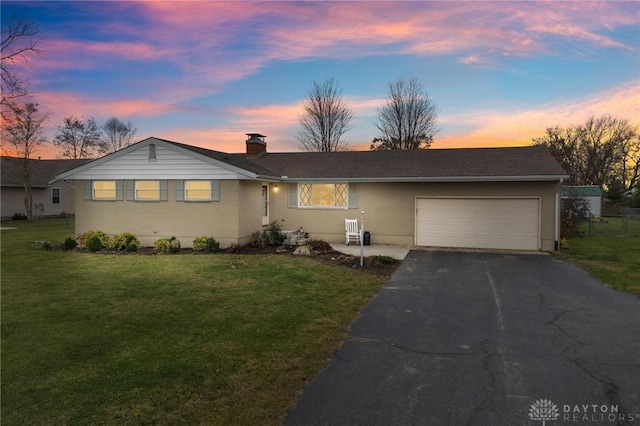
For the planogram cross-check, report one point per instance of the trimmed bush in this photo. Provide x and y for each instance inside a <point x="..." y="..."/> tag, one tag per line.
<point x="101" y="237"/>
<point x="69" y="244"/>
<point x="162" y="245"/>
<point x="212" y="245"/>
<point x="167" y="245"/>
<point x="131" y="246"/>
<point x="19" y="216"/>
<point x="94" y="243"/>
<point x="121" y="241"/>
<point x="200" y="244"/>
<point x="207" y="244"/>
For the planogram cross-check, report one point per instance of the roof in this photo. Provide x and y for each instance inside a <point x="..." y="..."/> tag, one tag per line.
<point x="420" y="164"/>
<point x="532" y="163"/>
<point x="581" y="191"/>
<point x="42" y="171"/>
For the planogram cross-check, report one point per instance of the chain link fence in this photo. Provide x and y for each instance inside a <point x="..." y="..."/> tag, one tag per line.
<point x="623" y="225"/>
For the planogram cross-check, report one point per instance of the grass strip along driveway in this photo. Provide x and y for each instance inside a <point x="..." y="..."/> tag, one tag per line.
<point x="194" y="339"/>
<point x="613" y="259"/>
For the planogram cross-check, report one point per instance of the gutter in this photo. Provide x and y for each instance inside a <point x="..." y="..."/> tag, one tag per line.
<point x="408" y="179"/>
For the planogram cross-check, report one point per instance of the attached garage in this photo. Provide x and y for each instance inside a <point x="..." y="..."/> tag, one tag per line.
<point x="509" y="223"/>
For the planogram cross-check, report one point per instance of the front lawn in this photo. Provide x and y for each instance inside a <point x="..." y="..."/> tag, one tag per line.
<point x="613" y="259"/>
<point x="167" y="339"/>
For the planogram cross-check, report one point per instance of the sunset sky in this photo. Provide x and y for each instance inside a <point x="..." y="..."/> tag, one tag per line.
<point x="205" y="73"/>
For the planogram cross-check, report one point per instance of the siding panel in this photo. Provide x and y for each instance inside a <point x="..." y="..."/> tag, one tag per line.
<point x="169" y="164"/>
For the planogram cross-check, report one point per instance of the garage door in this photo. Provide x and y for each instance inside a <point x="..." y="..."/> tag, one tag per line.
<point x="492" y="223"/>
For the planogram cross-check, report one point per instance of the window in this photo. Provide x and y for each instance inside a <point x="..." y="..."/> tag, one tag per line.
<point x="197" y="190"/>
<point x="327" y="195"/>
<point x="147" y="190"/>
<point x="55" y="195"/>
<point x="104" y="189"/>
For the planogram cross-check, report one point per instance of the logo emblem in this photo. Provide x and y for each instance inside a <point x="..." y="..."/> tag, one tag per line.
<point x="543" y="409"/>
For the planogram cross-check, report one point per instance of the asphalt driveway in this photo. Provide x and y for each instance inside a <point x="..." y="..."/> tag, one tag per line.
<point x="479" y="339"/>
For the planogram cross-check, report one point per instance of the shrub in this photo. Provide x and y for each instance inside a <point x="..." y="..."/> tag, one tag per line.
<point x="271" y="235"/>
<point x="19" y="216"/>
<point x="94" y="243"/>
<point x="161" y="245"/>
<point x="121" y="241"/>
<point x="236" y="248"/>
<point x="69" y="244"/>
<point x="212" y="245"/>
<point x="200" y="244"/>
<point x="131" y="246"/>
<point x="259" y="239"/>
<point x="274" y="231"/>
<point x="208" y="244"/>
<point x="50" y="245"/>
<point x="385" y="260"/>
<point x="167" y="245"/>
<point x="83" y="239"/>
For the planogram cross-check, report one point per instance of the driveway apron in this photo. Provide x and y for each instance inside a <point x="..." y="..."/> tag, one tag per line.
<point x="457" y="338"/>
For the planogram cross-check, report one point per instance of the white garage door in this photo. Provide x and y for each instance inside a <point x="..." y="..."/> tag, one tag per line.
<point x="492" y="223"/>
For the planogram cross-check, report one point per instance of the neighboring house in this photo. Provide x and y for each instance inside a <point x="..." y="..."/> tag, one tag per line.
<point x="589" y="195"/>
<point x="504" y="198"/>
<point x="56" y="198"/>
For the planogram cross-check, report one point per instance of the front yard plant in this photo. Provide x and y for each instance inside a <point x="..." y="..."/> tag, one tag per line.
<point x="124" y="241"/>
<point x="166" y="245"/>
<point x="206" y="244"/>
<point x="207" y="339"/>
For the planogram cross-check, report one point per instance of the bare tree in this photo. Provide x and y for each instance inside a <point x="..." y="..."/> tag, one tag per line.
<point x="22" y="131"/>
<point x="117" y="135"/>
<point x="18" y="43"/>
<point x="78" y="138"/>
<point x="325" y="119"/>
<point x="408" y="120"/>
<point x="602" y="151"/>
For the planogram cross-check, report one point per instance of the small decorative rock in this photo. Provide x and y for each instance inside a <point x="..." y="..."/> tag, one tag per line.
<point x="302" y="251"/>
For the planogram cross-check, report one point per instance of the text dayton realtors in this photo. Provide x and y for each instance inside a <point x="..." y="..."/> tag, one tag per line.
<point x="595" y="413"/>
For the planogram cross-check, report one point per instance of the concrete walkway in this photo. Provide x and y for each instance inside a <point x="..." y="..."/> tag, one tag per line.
<point x="397" y="252"/>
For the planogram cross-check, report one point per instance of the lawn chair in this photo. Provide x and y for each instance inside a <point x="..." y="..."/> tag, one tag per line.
<point x="351" y="230"/>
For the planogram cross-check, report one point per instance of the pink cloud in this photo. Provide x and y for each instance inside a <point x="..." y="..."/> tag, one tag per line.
<point x="507" y="128"/>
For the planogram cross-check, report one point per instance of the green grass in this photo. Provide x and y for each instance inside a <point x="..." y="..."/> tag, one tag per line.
<point x="166" y="339"/>
<point x="609" y="226"/>
<point x="608" y="256"/>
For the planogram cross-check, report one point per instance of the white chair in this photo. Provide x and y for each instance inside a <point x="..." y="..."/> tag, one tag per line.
<point x="351" y="230"/>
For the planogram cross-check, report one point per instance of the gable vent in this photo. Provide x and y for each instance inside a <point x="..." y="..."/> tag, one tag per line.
<point x="152" y="152"/>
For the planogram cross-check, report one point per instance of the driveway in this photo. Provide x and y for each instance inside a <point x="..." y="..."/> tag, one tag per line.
<point x="478" y="339"/>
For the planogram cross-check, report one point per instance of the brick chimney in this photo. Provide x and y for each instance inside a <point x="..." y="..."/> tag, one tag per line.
<point x="256" y="144"/>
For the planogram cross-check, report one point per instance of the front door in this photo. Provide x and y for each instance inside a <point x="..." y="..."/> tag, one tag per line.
<point x="265" y="204"/>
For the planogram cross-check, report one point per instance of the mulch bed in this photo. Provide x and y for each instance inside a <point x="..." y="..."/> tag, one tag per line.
<point x="374" y="265"/>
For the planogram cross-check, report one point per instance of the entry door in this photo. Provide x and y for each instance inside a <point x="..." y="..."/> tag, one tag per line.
<point x="265" y="204"/>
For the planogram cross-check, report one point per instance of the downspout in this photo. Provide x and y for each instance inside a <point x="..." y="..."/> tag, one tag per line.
<point x="557" y="221"/>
